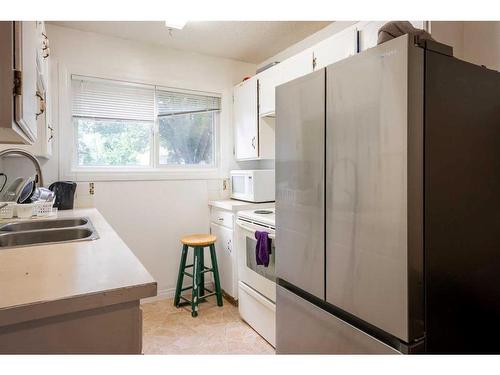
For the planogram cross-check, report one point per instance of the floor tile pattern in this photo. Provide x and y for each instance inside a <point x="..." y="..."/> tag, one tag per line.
<point x="216" y="330"/>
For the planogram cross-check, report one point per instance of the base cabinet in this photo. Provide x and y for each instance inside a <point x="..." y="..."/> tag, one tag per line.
<point x="114" y="329"/>
<point x="225" y="253"/>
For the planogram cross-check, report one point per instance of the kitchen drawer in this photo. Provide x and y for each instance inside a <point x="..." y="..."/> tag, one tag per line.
<point x="258" y="312"/>
<point x="222" y="217"/>
<point x="304" y="328"/>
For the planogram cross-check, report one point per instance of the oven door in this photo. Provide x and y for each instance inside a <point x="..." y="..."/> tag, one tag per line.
<point x="261" y="279"/>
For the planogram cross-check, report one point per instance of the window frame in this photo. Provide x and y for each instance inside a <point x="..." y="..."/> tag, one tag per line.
<point x="68" y="168"/>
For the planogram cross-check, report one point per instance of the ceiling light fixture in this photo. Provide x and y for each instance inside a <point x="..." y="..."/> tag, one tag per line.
<point x="176" y="24"/>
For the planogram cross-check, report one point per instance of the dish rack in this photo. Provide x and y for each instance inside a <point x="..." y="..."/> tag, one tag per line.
<point x="44" y="208"/>
<point x="26" y="211"/>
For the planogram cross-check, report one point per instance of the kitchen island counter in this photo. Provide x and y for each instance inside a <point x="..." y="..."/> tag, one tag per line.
<point x="84" y="281"/>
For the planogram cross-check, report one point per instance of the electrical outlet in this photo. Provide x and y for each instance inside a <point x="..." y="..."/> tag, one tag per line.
<point x="91" y="188"/>
<point x="224" y="184"/>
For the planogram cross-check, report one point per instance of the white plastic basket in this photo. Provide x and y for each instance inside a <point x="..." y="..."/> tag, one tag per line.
<point x="7" y="212"/>
<point x="43" y="208"/>
<point x="25" y="210"/>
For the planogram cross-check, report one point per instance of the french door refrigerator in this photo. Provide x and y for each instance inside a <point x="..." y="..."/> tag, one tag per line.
<point x="388" y="205"/>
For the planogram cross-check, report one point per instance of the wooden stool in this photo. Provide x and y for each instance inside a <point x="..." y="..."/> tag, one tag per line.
<point x="198" y="242"/>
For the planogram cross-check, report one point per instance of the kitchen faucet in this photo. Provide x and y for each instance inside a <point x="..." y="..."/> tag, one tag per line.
<point x="30" y="156"/>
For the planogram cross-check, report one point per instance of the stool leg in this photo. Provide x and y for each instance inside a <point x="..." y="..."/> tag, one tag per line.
<point x="218" y="291"/>
<point x="195" y="292"/>
<point x="202" y="274"/>
<point x="180" y="277"/>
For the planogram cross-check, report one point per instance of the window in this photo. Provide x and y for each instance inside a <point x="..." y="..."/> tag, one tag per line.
<point x="187" y="128"/>
<point x="124" y="125"/>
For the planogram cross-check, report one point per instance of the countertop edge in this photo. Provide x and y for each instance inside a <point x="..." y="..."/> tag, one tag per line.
<point x="89" y="301"/>
<point x="236" y="205"/>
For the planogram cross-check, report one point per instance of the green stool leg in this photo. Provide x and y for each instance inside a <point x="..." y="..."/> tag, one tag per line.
<point x="218" y="291"/>
<point x="196" y="282"/>
<point x="180" y="277"/>
<point x="202" y="274"/>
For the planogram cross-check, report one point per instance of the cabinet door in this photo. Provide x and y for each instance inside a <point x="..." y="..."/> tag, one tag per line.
<point x="224" y="250"/>
<point x="335" y="48"/>
<point x="296" y="66"/>
<point x="26" y="104"/>
<point x="268" y="80"/>
<point x="246" y="119"/>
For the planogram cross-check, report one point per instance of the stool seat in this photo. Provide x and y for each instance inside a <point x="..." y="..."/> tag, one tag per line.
<point x="199" y="240"/>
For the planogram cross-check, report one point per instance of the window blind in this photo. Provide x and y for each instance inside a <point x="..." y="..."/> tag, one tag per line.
<point x="175" y="103"/>
<point x="112" y="99"/>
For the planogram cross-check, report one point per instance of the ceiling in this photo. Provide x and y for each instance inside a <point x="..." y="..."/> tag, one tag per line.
<point x="249" y="41"/>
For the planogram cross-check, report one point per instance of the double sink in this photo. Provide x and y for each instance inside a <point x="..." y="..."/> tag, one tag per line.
<point x="41" y="232"/>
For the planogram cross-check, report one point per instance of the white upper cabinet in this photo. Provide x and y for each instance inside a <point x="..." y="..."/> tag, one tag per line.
<point x="268" y="80"/>
<point x="254" y="99"/>
<point x="29" y="122"/>
<point x="19" y="103"/>
<point x="246" y="119"/>
<point x="294" y="67"/>
<point x="335" y="48"/>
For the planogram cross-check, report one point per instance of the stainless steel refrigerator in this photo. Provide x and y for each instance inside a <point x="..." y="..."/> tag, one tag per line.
<point x="388" y="205"/>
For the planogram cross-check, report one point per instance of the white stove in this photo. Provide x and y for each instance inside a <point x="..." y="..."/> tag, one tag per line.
<point x="262" y="216"/>
<point x="257" y="283"/>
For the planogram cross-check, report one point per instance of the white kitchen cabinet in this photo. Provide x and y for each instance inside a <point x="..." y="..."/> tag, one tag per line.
<point x="246" y="119"/>
<point x="268" y="80"/>
<point x="295" y="66"/>
<point x="337" y="47"/>
<point x="222" y="226"/>
<point x="224" y="250"/>
<point x="42" y="70"/>
<point x="19" y="103"/>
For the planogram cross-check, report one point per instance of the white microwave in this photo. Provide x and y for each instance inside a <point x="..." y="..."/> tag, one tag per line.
<point x="256" y="185"/>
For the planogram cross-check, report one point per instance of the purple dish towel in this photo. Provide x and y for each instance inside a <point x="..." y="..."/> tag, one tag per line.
<point x="263" y="248"/>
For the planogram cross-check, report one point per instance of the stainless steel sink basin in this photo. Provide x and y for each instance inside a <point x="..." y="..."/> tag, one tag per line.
<point x="42" y="224"/>
<point x="42" y="232"/>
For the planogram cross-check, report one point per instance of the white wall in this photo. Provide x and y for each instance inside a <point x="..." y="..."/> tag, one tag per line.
<point x="482" y="43"/>
<point x="150" y="216"/>
<point x="476" y="42"/>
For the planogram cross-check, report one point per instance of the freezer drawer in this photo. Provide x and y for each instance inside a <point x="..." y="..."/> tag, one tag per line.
<point x="304" y="328"/>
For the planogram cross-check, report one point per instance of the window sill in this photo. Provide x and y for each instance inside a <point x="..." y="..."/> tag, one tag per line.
<point x="139" y="174"/>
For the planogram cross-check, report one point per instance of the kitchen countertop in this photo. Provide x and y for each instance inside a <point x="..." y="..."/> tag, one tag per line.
<point x="235" y="205"/>
<point x="47" y="280"/>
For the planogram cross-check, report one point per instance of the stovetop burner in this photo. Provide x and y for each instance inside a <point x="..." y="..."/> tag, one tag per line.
<point x="263" y="212"/>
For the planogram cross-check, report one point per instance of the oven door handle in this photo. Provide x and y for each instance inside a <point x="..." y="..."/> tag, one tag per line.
<point x="271" y="236"/>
